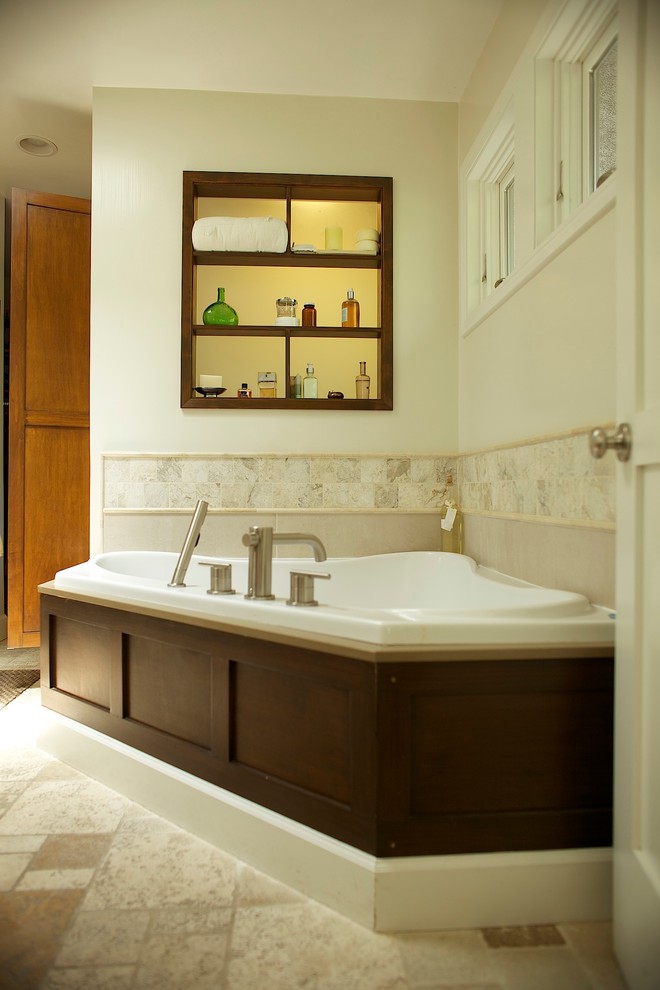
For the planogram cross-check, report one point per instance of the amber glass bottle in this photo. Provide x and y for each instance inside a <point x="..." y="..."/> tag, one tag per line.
<point x="309" y="315"/>
<point x="350" y="311"/>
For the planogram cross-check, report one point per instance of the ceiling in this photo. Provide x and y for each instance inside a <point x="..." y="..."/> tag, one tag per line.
<point x="53" y="52"/>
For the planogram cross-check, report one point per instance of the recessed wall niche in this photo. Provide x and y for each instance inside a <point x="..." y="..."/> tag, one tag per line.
<point x="303" y="268"/>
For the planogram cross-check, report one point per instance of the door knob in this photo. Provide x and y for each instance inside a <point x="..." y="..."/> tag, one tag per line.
<point x="600" y="442"/>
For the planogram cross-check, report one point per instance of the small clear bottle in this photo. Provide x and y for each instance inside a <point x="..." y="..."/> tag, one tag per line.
<point x="310" y="385"/>
<point x="350" y="310"/>
<point x="244" y="392"/>
<point x="362" y="382"/>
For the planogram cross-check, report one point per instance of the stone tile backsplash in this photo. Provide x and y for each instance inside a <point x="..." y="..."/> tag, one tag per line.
<point x="553" y="478"/>
<point x="177" y="481"/>
<point x="545" y="479"/>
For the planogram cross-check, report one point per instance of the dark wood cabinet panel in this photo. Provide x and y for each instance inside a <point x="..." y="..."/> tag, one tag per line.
<point x="313" y="751"/>
<point x="398" y="758"/>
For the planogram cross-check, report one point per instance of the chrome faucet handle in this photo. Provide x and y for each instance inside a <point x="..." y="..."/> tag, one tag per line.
<point x="220" y="578"/>
<point x="189" y="544"/>
<point x="302" y="587"/>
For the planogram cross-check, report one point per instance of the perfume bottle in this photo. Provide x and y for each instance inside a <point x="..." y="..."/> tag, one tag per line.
<point x="310" y="385"/>
<point x="350" y="310"/>
<point x="362" y="382"/>
<point x="244" y="392"/>
<point x="220" y="313"/>
<point x="267" y="383"/>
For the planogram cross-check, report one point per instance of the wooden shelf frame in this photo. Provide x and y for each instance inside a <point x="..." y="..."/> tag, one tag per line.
<point x="289" y="188"/>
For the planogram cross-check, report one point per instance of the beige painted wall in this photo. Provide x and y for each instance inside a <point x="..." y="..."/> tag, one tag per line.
<point x="143" y="141"/>
<point x="543" y="361"/>
<point x="512" y="30"/>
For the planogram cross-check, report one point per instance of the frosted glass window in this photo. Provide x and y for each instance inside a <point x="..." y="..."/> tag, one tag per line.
<point x="603" y="109"/>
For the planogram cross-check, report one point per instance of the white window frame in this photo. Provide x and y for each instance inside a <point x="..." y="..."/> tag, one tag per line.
<point x="507" y="221"/>
<point x="591" y="60"/>
<point x="544" y="225"/>
<point x="564" y="148"/>
<point x="484" y="241"/>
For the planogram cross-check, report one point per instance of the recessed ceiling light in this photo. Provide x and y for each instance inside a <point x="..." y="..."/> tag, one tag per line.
<point x="32" y="144"/>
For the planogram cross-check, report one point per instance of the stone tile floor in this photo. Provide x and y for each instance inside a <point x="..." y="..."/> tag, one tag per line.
<point x="97" y="893"/>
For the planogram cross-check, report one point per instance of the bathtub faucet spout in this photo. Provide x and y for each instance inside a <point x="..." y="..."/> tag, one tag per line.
<point x="259" y="541"/>
<point x="189" y="544"/>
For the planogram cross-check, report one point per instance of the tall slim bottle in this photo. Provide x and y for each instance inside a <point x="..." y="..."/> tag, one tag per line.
<point x="350" y="310"/>
<point x="362" y="382"/>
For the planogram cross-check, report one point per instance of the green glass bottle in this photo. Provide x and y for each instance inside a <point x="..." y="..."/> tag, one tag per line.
<point x="220" y="313"/>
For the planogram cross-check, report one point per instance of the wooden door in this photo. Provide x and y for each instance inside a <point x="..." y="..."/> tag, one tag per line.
<point x="48" y="498"/>
<point x="636" y="907"/>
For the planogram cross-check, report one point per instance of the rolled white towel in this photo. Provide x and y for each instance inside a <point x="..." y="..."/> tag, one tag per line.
<point x="240" y="234"/>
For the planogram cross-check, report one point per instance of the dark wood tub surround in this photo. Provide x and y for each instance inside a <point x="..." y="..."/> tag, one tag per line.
<point x="394" y="753"/>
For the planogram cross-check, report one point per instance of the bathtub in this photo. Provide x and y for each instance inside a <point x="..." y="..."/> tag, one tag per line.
<point x="397" y="599"/>
<point x="430" y="746"/>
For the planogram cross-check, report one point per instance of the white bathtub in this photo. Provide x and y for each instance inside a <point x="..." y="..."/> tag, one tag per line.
<point x="402" y="599"/>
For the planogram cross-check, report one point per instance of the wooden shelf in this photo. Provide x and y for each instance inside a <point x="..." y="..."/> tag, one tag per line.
<point x="272" y="331"/>
<point x="269" y="259"/>
<point x="233" y="402"/>
<point x="292" y="190"/>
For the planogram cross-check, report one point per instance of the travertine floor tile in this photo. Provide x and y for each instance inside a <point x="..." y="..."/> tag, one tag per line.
<point x="446" y="958"/>
<point x="104" y="938"/>
<point x="18" y="763"/>
<point x="546" y="968"/>
<point x="71" y="852"/>
<point x="187" y="920"/>
<point x="163" y="909"/>
<point x="90" y="978"/>
<point x="157" y="870"/>
<point x="9" y="794"/>
<point x="290" y="946"/>
<point x="51" y="807"/>
<point x="21" y="843"/>
<point x="172" y="962"/>
<point x="31" y="925"/>
<point x="55" y="880"/>
<point x="12" y="866"/>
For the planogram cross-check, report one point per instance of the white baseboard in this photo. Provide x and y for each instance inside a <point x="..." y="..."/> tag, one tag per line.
<point x="387" y="895"/>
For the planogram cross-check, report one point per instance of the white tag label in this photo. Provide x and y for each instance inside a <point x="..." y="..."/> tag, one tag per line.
<point x="448" y="521"/>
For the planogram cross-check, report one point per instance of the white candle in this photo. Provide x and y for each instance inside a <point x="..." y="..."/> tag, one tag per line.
<point x="334" y="238"/>
<point x="210" y="381"/>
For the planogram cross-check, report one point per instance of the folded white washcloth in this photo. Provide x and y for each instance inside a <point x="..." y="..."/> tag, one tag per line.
<point x="240" y="234"/>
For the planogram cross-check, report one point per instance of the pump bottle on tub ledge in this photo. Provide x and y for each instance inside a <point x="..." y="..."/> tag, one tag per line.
<point x="451" y="527"/>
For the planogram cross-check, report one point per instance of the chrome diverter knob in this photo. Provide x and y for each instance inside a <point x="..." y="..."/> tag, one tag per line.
<point x="302" y="587"/>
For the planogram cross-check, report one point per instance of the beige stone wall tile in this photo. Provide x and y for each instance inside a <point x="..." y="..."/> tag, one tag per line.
<point x="221" y="470"/>
<point x="398" y="468"/>
<point x="374" y="470"/>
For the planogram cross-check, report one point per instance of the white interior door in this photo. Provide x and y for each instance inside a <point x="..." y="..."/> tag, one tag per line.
<point x="637" y="748"/>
